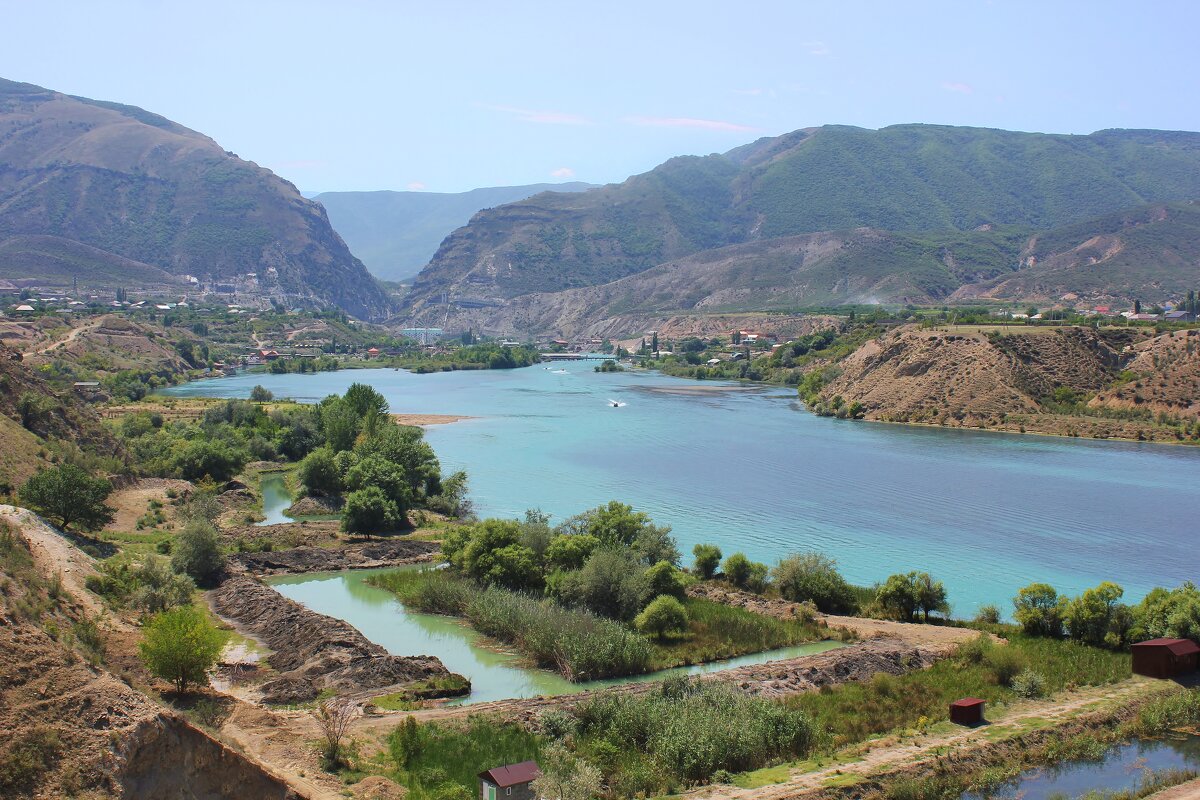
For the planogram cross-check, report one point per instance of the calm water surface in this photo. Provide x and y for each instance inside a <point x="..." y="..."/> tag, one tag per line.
<point x="494" y="674"/>
<point x="752" y="471"/>
<point x="1123" y="767"/>
<point x="275" y="500"/>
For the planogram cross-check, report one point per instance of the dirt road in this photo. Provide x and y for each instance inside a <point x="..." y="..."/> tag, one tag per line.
<point x="66" y="340"/>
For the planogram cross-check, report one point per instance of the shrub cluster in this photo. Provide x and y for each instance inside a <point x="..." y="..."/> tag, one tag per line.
<point x="1097" y="617"/>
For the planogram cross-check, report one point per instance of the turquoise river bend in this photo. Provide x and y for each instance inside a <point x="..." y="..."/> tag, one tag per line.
<point x="749" y="469"/>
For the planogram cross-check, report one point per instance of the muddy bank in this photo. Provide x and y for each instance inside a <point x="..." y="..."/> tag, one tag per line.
<point x="313" y="652"/>
<point x="943" y="639"/>
<point x="388" y="553"/>
<point x="315" y="507"/>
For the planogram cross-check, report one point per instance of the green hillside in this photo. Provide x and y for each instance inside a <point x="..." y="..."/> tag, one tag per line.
<point x="910" y="179"/>
<point x="396" y="233"/>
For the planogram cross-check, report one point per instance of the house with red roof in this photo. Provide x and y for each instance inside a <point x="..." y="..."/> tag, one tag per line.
<point x="511" y="782"/>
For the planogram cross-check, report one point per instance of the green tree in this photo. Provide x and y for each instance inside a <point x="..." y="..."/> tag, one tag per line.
<point x="514" y="567"/>
<point x="33" y="408"/>
<point x="899" y="596"/>
<point x="1173" y="614"/>
<point x="157" y="588"/>
<point x="181" y="646"/>
<point x="369" y="511"/>
<point x="568" y="552"/>
<point x="663" y="615"/>
<point x="614" y="524"/>
<point x="67" y="495"/>
<point x="196" y="552"/>
<point x="405" y="445"/>
<point x="664" y="579"/>
<point x="261" y="394"/>
<point x="210" y="458"/>
<point x="1098" y="618"/>
<point x="708" y="558"/>
<point x="374" y="470"/>
<point x="611" y="584"/>
<point x="338" y="422"/>
<point x="566" y="777"/>
<point x="737" y="569"/>
<point x="1039" y="610"/>
<point x="365" y="400"/>
<point x="814" y="577"/>
<point x="319" y="473"/>
<point x="931" y="595"/>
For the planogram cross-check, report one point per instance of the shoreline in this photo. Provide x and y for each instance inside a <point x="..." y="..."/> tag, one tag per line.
<point x="425" y="420"/>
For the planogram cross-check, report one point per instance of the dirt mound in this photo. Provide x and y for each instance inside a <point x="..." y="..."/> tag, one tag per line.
<point x="312" y="651"/>
<point x="319" y="559"/>
<point x="315" y="506"/>
<point x="1012" y="380"/>
<point x="969" y="380"/>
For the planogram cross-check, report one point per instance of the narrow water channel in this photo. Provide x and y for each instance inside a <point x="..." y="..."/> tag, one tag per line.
<point x="1123" y="767"/>
<point x="275" y="500"/>
<point x="494" y="674"/>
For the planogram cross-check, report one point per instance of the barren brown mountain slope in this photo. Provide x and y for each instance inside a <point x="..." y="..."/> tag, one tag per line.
<point x="71" y="728"/>
<point x="1008" y="381"/>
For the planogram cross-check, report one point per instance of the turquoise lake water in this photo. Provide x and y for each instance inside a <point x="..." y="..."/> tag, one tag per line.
<point x="495" y="674"/>
<point x="753" y="471"/>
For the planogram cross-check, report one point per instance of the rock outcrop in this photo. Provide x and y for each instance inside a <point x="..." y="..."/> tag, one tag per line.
<point x="313" y="652"/>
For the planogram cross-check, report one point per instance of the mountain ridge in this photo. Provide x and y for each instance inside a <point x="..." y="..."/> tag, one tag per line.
<point x="139" y="187"/>
<point x="911" y="179"/>
<point x="397" y="233"/>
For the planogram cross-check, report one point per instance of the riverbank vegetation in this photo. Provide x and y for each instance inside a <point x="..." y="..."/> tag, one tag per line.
<point x="599" y="595"/>
<point x="1098" y="617"/>
<point x="484" y="355"/>
<point x="853" y="712"/>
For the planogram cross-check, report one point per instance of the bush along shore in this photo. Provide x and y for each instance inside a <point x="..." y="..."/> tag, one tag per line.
<point x="601" y="595"/>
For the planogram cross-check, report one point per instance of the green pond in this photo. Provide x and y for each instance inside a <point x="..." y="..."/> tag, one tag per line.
<point x="275" y="500"/>
<point x="495" y="674"/>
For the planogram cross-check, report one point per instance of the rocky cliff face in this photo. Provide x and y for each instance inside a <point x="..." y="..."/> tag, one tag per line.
<point x="135" y="187"/>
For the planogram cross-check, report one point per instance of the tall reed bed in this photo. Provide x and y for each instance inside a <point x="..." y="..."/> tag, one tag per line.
<point x="577" y="644"/>
<point x="687" y="732"/>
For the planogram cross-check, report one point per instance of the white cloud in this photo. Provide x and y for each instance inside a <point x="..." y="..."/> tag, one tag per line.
<point x="562" y="172"/>
<point x="958" y="86"/>
<point x="816" y="48"/>
<point x="416" y="186"/>
<point x="689" y="122"/>
<point x="540" y="117"/>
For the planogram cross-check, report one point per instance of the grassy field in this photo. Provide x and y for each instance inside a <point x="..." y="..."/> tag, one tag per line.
<point x="853" y="712"/>
<point x="717" y="631"/>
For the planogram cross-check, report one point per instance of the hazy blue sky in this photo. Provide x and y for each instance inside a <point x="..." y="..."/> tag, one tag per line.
<point x="448" y="95"/>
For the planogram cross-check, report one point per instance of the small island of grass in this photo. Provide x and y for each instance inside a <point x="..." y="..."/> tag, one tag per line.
<point x="599" y="596"/>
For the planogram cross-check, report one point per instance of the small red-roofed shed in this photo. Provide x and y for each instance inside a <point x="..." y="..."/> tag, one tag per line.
<point x="1165" y="658"/>
<point x="511" y="782"/>
<point x="967" y="711"/>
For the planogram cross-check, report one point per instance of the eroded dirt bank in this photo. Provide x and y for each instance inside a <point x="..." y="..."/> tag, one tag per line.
<point x="80" y="730"/>
<point x="371" y="555"/>
<point x="314" y="652"/>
